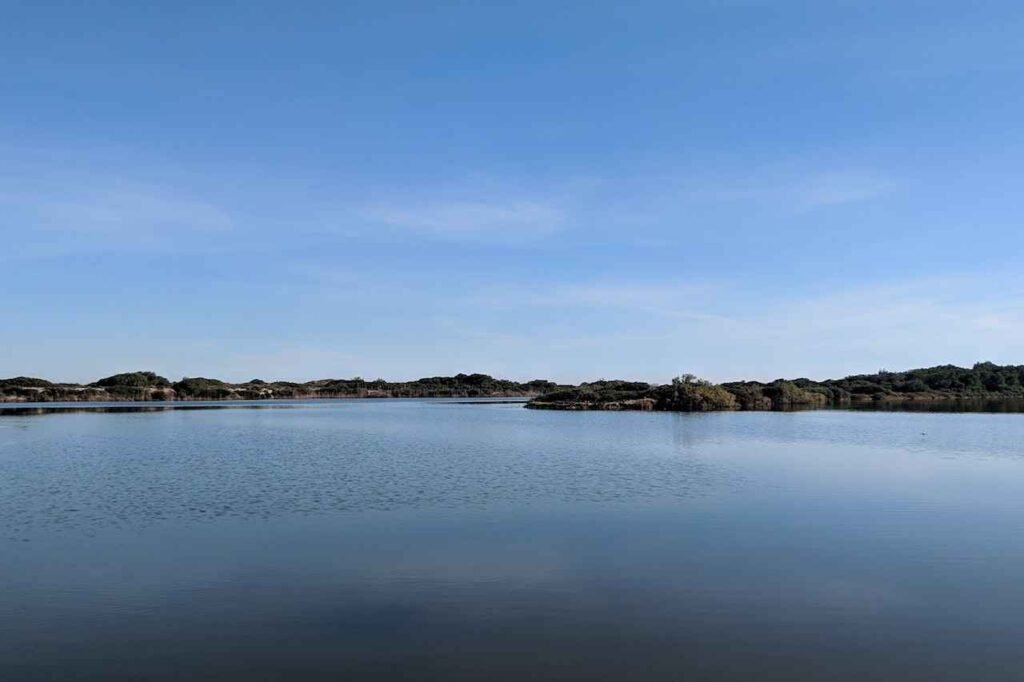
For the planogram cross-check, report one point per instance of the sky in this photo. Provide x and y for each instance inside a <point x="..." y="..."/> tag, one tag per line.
<point x="572" y="190"/>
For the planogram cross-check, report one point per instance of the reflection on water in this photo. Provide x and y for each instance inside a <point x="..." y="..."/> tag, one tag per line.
<point x="1006" y="406"/>
<point x="134" y="469"/>
<point x="448" y="541"/>
<point x="26" y="409"/>
<point x="23" y="409"/>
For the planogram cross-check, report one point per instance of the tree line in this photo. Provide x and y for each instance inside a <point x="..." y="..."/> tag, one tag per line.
<point x="145" y="385"/>
<point x="687" y="393"/>
<point x="984" y="380"/>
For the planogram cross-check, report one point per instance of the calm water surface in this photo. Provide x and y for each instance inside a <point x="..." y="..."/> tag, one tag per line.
<point x="413" y="540"/>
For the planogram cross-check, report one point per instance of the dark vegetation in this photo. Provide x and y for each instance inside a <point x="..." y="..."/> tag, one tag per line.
<point x="150" y="386"/>
<point x="982" y="382"/>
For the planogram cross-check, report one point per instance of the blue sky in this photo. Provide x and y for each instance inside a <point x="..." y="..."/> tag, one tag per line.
<point x="737" y="189"/>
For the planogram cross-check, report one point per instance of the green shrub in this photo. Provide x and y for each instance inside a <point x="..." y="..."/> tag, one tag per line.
<point x="135" y="379"/>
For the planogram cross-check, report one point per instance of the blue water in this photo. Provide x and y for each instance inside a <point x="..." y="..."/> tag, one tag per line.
<point x="412" y="540"/>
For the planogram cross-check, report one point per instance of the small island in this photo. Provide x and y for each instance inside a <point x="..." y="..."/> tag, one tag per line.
<point x="944" y="384"/>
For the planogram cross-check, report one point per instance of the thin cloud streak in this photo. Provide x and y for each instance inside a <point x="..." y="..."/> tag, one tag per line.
<point x="50" y="214"/>
<point x="904" y="324"/>
<point x="794" y="191"/>
<point x="126" y="211"/>
<point x="469" y="219"/>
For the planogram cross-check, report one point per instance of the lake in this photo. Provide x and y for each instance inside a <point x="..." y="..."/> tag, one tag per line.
<point x="451" y="540"/>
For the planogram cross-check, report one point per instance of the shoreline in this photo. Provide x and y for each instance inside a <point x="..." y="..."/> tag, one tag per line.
<point x="948" y="405"/>
<point x="931" y="404"/>
<point x="911" y="389"/>
<point x="26" y="401"/>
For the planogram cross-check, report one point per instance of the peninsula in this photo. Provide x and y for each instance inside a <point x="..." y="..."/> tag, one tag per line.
<point x="984" y="381"/>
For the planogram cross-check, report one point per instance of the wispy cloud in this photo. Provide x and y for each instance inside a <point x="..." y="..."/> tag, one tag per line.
<point x="832" y="189"/>
<point x="500" y="219"/>
<point x="786" y="189"/>
<point x="126" y="209"/>
<point x="675" y="300"/>
<point x="48" y="212"/>
<point x="731" y="332"/>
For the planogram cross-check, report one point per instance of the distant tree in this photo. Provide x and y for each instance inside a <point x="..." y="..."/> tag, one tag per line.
<point x="134" y="379"/>
<point x="25" y="382"/>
